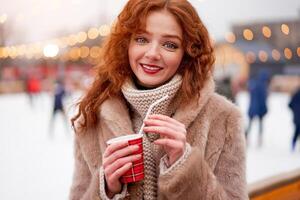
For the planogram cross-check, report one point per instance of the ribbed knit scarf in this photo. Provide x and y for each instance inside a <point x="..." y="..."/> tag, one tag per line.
<point x="139" y="101"/>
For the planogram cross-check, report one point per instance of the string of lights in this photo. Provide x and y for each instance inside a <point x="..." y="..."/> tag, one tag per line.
<point x="64" y="47"/>
<point x="51" y="48"/>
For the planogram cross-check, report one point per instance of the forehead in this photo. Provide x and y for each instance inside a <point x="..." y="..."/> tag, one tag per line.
<point x="162" y="22"/>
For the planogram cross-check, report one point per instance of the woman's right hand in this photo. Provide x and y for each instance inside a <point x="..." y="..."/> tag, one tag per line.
<point x="117" y="159"/>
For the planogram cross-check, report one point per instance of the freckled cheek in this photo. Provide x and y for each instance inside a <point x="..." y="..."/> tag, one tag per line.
<point x="173" y="61"/>
<point x="132" y="54"/>
<point x="135" y="52"/>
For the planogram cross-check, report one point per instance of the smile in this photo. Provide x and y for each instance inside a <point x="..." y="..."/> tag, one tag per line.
<point x="150" y="69"/>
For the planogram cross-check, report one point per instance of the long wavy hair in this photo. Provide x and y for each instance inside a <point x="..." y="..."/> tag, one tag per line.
<point x="196" y="65"/>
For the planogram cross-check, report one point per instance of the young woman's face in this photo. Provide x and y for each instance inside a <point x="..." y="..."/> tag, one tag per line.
<point x="155" y="55"/>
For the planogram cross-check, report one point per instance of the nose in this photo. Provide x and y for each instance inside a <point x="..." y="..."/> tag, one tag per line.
<point x="153" y="52"/>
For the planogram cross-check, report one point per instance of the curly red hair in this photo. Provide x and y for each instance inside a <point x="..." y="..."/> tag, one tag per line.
<point x="196" y="66"/>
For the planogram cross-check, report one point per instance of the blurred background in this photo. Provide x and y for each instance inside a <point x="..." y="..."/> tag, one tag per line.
<point x="48" y="49"/>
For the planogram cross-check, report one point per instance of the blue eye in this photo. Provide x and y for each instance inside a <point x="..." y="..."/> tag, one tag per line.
<point x="171" y="45"/>
<point x="141" y="40"/>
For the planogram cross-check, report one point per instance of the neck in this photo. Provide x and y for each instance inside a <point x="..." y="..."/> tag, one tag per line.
<point x="139" y="86"/>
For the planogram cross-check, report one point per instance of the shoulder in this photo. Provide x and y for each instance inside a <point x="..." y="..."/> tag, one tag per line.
<point x="224" y="116"/>
<point x="225" y="122"/>
<point x="220" y="105"/>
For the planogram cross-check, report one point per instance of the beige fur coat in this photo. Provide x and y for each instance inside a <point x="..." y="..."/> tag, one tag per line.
<point x="215" y="169"/>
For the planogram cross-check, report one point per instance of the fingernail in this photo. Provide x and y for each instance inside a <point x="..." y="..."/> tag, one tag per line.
<point x="129" y="164"/>
<point x="138" y="156"/>
<point x="135" y="147"/>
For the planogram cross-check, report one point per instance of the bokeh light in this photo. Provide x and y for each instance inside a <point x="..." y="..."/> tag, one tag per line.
<point x="50" y="50"/>
<point x="285" y="29"/>
<point x="230" y="37"/>
<point x="248" y="34"/>
<point x="288" y="53"/>
<point x="263" y="56"/>
<point x="266" y="31"/>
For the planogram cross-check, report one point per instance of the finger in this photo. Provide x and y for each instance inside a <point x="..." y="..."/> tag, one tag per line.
<point x="166" y="118"/>
<point x="118" y="173"/>
<point x="158" y="122"/>
<point x="121" y="162"/>
<point x="129" y="150"/>
<point x="173" y="144"/>
<point x="165" y="131"/>
<point x="114" y="147"/>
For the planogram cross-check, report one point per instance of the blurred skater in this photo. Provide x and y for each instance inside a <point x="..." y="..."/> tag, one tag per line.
<point x="58" y="104"/>
<point x="33" y="88"/>
<point x="258" y="91"/>
<point x="295" y="107"/>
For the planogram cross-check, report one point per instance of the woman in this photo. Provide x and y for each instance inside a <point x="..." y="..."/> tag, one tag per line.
<point x="193" y="146"/>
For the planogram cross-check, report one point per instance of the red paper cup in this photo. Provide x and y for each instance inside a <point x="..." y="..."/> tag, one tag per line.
<point x="136" y="172"/>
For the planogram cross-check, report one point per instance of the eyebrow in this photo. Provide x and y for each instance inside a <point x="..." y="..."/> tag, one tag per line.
<point x="164" y="35"/>
<point x="172" y="36"/>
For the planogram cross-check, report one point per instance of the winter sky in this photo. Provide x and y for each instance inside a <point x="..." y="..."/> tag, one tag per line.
<point x="35" y="20"/>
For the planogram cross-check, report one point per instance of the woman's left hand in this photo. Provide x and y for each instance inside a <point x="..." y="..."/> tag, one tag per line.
<point x="172" y="135"/>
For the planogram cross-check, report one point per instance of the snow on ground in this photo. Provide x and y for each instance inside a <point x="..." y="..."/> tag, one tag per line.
<point x="35" y="164"/>
<point x="275" y="156"/>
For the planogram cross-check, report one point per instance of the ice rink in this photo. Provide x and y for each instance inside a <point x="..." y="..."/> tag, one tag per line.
<point x="38" y="164"/>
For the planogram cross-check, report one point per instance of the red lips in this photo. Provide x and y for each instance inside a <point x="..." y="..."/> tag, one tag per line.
<point x="150" y="69"/>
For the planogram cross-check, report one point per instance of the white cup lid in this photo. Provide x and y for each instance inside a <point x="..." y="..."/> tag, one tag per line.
<point x="124" y="137"/>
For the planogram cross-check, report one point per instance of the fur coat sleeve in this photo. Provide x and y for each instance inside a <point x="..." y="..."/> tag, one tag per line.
<point x="85" y="183"/>
<point x="88" y="150"/>
<point x="195" y="179"/>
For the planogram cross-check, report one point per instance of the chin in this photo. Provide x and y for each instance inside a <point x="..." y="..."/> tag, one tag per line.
<point x="149" y="85"/>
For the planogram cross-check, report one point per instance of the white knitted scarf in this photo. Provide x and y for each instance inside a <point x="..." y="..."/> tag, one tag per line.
<point x="139" y="101"/>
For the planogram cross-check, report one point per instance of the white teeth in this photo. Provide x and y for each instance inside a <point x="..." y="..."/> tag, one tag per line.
<point x="151" y="68"/>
